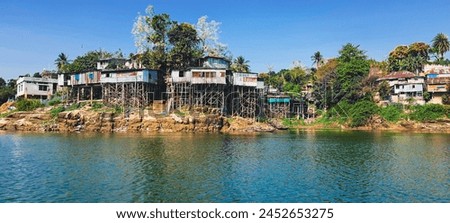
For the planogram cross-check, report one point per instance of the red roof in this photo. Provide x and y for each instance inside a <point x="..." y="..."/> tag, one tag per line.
<point x="397" y="75"/>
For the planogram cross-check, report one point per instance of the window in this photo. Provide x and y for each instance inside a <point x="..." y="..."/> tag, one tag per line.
<point x="181" y="74"/>
<point x="413" y="86"/>
<point x="43" y="87"/>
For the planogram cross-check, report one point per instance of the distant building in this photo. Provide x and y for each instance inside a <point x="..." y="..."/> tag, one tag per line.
<point x="406" y="87"/>
<point x="438" y="82"/>
<point x="278" y="106"/>
<point x="199" y="86"/>
<point x="115" y="81"/>
<point x="214" y="85"/>
<point x="214" y="62"/>
<point x="32" y="87"/>
<point x="128" y="88"/>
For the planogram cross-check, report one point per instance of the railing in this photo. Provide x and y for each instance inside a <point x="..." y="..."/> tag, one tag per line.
<point x="438" y="80"/>
<point x="121" y="79"/>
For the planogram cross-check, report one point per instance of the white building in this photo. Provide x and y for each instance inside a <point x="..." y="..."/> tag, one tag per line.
<point x="406" y="87"/>
<point x="32" y="87"/>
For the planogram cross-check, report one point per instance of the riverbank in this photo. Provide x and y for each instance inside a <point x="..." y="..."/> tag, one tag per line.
<point x="375" y="123"/>
<point x="91" y="119"/>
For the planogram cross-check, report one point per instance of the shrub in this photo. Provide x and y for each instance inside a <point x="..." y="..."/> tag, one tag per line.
<point x="97" y="105"/>
<point x="28" y="104"/>
<point x="118" y="110"/>
<point x="446" y="99"/>
<point x="428" y="112"/>
<point x="75" y="106"/>
<point x="55" y="111"/>
<point x="391" y="113"/>
<point x="361" y="112"/>
<point x="54" y="101"/>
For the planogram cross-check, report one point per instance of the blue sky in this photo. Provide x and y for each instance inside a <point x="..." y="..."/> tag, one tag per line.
<point x="266" y="32"/>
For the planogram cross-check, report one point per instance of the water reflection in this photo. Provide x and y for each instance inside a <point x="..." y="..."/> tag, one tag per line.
<point x="303" y="166"/>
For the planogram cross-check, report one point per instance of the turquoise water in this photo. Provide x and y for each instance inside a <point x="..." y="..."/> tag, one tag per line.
<point x="317" y="166"/>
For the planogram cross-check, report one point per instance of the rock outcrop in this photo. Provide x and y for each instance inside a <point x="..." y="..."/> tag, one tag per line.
<point x="92" y="121"/>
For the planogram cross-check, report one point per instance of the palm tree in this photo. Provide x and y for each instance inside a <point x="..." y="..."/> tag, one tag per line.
<point x="61" y="62"/>
<point x="240" y="64"/>
<point x="441" y="44"/>
<point x="317" y="59"/>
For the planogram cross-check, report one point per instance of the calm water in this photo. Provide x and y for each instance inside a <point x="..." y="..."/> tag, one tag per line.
<point x="321" y="166"/>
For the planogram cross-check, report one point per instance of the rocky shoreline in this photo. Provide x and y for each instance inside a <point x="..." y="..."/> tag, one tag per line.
<point x="103" y="122"/>
<point x="85" y="120"/>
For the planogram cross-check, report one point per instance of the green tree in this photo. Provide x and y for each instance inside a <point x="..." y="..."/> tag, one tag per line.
<point x="87" y="62"/>
<point x="185" y="50"/>
<point x="7" y="90"/>
<point x="419" y="49"/>
<point x="240" y="64"/>
<point x="11" y="83"/>
<point x="2" y="82"/>
<point x="385" y="90"/>
<point x="158" y="55"/>
<point x="441" y="44"/>
<point x="325" y="77"/>
<point x="396" y="58"/>
<point x="352" y="68"/>
<point x="317" y="59"/>
<point x="293" y="79"/>
<point x="61" y="62"/>
<point x="411" y="58"/>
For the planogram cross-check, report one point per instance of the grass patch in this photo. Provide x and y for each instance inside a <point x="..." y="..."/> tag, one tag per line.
<point x="428" y="112"/>
<point x="54" y="101"/>
<point x="28" y="104"/>
<point x="118" y="110"/>
<point x="5" y="114"/>
<point x="292" y="122"/>
<point x="75" y="106"/>
<point x="392" y="113"/>
<point x="180" y="113"/>
<point x="97" y="106"/>
<point x="56" y="110"/>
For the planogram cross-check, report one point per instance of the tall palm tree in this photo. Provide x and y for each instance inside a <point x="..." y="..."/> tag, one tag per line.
<point x="61" y="62"/>
<point x="441" y="44"/>
<point x="240" y="64"/>
<point x="317" y="59"/>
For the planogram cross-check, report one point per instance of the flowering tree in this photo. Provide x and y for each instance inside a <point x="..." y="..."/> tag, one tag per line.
<point x="208" y="33"/>
<point x="142" y="29"/>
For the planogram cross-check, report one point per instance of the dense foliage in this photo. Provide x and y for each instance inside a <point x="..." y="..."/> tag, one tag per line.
<point x="411" y="58"/>
<point x="7" y="90"/>
<point x="28" y="104"/>
<point x="351" y="69"/>
<point x="391" y="113"/>
<point x="291" y="81"/>
<point x="86" y="62"/>
<point x="361" y="112"/>
<point x="428" y="112"/>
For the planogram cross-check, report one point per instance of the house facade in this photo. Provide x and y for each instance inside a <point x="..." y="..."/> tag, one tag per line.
<point x="438" y="82"/>
<point x="115" y="81"/>
<point x="406" y="87"/>
<point x="214" y="85"/>
<point x="32" y="87"/>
